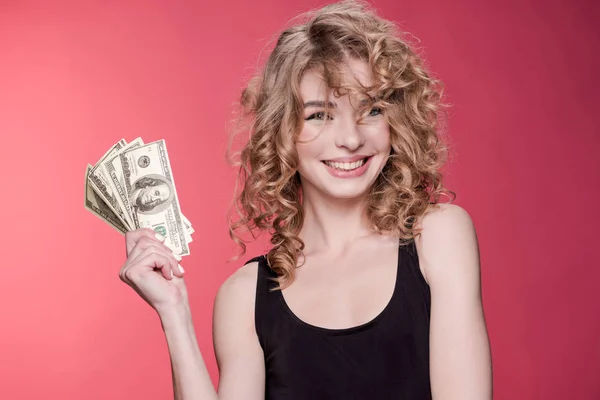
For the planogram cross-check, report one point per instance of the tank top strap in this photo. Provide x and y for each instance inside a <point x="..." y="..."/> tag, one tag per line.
<point x="263" y="307"/>
<point x="415" y="285"/>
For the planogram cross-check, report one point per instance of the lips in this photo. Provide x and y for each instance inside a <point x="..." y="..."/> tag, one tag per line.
<point x="346" y="163"/>
<point x="346" y="166"/>
<point x="347" y="169"/>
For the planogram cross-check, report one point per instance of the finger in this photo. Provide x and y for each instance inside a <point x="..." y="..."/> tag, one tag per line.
<point x="146" y="242"/>
<point x="149" y="261"/>
<point x="159" y="249"/>
<point x="132" y="237"/>
<point x="178" y="269"/>
<point x="143" y="243"/>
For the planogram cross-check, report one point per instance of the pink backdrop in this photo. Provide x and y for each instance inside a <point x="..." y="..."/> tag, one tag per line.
<point x="77" y="77"/>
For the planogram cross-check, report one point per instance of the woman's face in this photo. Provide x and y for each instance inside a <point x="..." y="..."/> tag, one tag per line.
<point x="340" y="154"/>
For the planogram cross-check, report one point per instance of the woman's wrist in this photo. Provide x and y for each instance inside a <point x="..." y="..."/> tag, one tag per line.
<point x="175" y="316"/>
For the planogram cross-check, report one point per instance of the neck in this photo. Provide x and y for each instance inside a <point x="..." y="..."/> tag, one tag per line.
<point x="332" y="224"/>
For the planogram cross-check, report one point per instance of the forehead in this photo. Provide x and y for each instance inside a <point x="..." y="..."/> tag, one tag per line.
<point x="157" y="186"/>
<point x="353" y="73"/>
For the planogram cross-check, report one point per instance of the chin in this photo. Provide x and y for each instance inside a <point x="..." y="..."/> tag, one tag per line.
<point x="346" y="192"/>
<point x="342" y="189"/>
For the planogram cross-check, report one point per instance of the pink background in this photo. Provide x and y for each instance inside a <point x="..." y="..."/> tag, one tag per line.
<point x="76" y="77"/>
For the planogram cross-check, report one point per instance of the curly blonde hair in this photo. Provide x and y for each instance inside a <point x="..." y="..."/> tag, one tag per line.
<point x="410" y="183"/>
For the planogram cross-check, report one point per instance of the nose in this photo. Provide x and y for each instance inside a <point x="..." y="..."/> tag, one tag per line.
<point x="349" y="134"/>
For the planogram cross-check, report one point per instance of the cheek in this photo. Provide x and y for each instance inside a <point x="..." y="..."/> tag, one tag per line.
<point x="379" y="136"/>
<point x="306" y="154"/>
<point x="310" y="144"/>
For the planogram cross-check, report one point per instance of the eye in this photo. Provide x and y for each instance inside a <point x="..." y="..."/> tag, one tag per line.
<point x="375" y="111"/>
<point x="319" y="116"/>
<point x="156" y="193"/>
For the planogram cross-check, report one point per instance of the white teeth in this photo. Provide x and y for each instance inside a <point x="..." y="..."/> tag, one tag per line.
<point x="346" y="166"/>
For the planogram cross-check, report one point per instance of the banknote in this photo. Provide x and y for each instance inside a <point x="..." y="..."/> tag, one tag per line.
<point x="106" y="194"/>
<point x="146" y="177"/>
<point x="188" y="224"/>
<point x="95" y="204"/>
<point x="114" y="177"/>
<point x="101" y="185"/>
<point x="188" y="228"/>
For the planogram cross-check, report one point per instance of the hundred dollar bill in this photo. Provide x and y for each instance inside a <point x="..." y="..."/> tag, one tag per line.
<point x="111" y="168"/>
<point x="187" y="224"/>
<point x="186" y="232"/>
<point x="101" y="184"/>
<point x="95" y="204"/>
<point x="151" y="194"/>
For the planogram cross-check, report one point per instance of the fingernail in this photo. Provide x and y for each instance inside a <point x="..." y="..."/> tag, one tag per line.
<point x="159" y="237"/>
<point x="181" y="268"/>
<point x="171" y="271"/>
<point x="177" y="256"/>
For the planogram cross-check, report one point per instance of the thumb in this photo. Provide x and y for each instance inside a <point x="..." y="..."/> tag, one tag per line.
<point x="132" y="237"/>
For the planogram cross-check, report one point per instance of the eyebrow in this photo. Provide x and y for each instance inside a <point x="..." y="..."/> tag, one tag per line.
<point x="329" y="104"/>
<point x="320" y="104"/>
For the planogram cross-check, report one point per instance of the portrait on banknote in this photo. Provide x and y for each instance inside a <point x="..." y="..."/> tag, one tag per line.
<point x="151" y="194"/>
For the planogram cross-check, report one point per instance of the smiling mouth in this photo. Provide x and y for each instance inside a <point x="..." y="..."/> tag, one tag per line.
<point x="346" y="166"/>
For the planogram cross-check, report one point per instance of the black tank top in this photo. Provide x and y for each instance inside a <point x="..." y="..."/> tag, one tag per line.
<point x="386" y="358"/>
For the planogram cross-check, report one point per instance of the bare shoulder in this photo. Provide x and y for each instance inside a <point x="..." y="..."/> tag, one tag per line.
<point x="238" y="352"/>
<point x="446" y="218"/>
<point x="447" y="243"/>
<point x="243" y="278"/>
<point x="233" y="316"/>
<point x="239" y="289"/>
<point x="460" y="357"/>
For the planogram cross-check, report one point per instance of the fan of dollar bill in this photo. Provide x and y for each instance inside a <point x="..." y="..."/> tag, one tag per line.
<point x="132" y="187"/>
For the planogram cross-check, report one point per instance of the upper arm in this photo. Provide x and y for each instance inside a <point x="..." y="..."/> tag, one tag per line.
<point x="238" y="352"/>
<point x="460" y="359"/>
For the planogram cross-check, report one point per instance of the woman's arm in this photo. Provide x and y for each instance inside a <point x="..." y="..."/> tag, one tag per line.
<point x="190" y="377"/>
<point x="238" y="352"/>
<point x="460" y="356"/>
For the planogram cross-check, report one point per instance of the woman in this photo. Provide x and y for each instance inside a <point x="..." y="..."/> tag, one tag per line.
<point x="371" y="289"/>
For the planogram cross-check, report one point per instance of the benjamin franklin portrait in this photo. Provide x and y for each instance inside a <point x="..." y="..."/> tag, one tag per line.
<point x="151" y="194"/>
